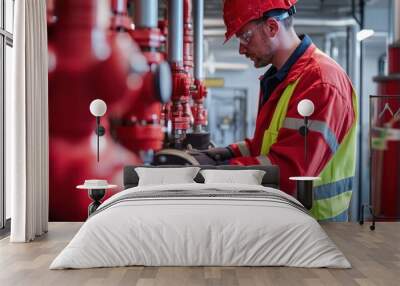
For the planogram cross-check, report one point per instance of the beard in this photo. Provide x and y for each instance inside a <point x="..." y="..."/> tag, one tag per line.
<point x="260" y="56"/>
<point x="265" y="55"/>
<point x="260" y="62"/>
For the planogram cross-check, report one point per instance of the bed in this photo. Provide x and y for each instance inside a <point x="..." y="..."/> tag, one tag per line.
<point x="198" y="224"/>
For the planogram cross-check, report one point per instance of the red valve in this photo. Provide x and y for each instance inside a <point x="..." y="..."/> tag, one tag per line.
<point x="198" y="110"/>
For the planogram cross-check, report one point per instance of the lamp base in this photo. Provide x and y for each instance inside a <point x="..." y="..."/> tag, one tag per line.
<point x="304" y="188"/>
<point x="96" y="195"/>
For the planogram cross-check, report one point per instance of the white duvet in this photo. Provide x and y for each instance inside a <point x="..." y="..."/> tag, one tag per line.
<point x="200" y="231"/>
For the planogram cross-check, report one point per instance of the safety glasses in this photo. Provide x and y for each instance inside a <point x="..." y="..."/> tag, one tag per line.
<point x="245" y="37"/>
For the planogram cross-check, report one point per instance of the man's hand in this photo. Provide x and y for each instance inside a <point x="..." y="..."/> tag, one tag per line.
<point x="202" y="157"/>
<point x="219" y="153"/>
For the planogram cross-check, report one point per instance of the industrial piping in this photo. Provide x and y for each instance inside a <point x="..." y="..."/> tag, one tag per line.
<point x="146" y="14"/>
<point x="138" y="126"/>
<point x="200" y="91"/>
<point x="120" y="20"/>
<point x="187" y="37"/>
<point x="181" y="81"/>
<point x="186" y="83"/>
<point x="198" y="23"/>
<point x="175" y="32"/>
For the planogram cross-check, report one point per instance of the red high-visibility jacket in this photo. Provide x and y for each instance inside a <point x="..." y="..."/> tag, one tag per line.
<point x="325" y="83"/>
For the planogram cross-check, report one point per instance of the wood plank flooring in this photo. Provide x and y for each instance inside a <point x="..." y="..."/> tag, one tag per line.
<point x="374" y="255"/>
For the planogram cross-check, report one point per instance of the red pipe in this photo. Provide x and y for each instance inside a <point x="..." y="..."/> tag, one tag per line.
<point x="187" y="37"/>
<point x="120" y="19"/>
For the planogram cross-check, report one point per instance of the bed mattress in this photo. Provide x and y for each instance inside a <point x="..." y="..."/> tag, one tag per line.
<point x="201" y="225"/>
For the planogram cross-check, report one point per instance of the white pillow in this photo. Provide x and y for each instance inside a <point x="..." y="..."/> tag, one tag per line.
<point x="163" y="176"/>
<point x="248" y="177"/>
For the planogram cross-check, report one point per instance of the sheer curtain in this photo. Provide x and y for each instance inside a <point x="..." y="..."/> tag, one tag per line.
<point x="27" y="124"/>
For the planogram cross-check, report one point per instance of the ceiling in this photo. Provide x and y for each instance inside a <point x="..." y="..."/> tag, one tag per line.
<point x="305" y="8"/>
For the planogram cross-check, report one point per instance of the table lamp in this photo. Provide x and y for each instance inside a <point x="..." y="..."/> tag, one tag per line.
<point x="98" y="108"/>
<point x="304" y="185"/>
<point x="305" y="108"/>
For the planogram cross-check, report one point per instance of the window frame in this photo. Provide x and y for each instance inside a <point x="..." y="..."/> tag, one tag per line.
<point x="6" y="39"/>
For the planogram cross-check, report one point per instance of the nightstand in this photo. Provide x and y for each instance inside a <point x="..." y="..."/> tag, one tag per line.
<point x="96" y="191"/>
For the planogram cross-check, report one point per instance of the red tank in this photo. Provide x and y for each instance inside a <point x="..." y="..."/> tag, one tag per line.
<point x="385" y="185"/>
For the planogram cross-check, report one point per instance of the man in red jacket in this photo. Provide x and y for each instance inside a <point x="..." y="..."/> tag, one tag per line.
<point x="298" y="71"/>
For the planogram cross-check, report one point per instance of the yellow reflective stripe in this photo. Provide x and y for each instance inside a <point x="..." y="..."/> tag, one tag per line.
<point x="244" y="150"/>
<point x="269" y="139"/>
<point x="331" y="207"/>
<point x="264" y="160"/>
<point x="343" y="164"/>
<point x="271" y="134"/>
<point x="340" y="167"/>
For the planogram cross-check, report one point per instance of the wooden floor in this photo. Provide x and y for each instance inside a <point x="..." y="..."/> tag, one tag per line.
<point x="375" y="257"/>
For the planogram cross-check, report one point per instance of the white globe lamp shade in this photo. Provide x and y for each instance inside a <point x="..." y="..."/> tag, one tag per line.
<point x="98" y="107"/>
<point x="305" y="107"/>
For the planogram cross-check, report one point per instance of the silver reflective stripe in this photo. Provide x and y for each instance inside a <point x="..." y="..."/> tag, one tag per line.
<point x="244" y="150"/>
<point x="264" y="160"/>
<point x="333" y="189"/>
<point x="343" y="217"/>
<point x="317" y="126"/>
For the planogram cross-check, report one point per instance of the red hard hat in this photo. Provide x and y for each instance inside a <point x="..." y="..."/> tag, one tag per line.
<point x="237" y="13"/>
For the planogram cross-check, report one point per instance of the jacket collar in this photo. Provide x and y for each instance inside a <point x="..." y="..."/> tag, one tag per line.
<point x="297" y="68"/>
